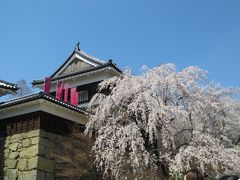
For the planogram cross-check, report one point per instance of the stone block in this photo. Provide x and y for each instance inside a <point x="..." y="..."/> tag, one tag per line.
<point x="43" y="133"/>
<point x="7" y="142"/>
<point x="32" y="151"/>
<point x="6" y="152"/>
<point x="41" y="150"/>
<point x="33" y="133"/>
<point x="33" y="163"/>
<point x="60" y="138"/>
<point x="29" y="152"/>
<point x="68" y="144"/>
<point x="46" y="142"/>
<point x="51" y="136"/>
<point x="31" y="175"/>
<point x="41" y="175"/>
<point x="49" y="153"/>
<point x="5" y="170"/>
<point x="22" y="164"/>
<point x="20" y="145"/>
<point x="11" y="174"/>
<point x="26" y="143"/>
<point x="23" y="176"/>
<point x="13" y="147"/>
<point x="13" y="155"/>
<point x="16" y="138"/>
<point x="46" y="165"/>
<point x="7" y="138"/>
<point x="10" y="163"/>
<point x="35" y="140"/>
<point x="49" y="176"/>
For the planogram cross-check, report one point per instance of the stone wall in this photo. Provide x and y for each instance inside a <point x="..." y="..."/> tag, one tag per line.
<point x="20" y="157"/>
<point x="71" y="156"/>
<point x="43" y="155"/>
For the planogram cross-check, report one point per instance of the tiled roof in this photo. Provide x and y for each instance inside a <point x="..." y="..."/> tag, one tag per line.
<point x="7" y="85"/>
<point x="41" y="95"/>
<point x="89" y="57"/>
<point x="110" y="64"/>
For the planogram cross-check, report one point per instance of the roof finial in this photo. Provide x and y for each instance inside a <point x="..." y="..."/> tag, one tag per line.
<point x="77" y="47"/>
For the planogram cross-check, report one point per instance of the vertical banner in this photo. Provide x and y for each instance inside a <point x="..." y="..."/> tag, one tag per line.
<point x="47" y="85"/>
<point x="59" y="93"/>
<point x="66" y="93"/>
<point x="76" y="99"/>
<point x="74" y="96"/>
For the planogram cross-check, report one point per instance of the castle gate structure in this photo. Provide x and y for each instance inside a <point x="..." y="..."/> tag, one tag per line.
<point x="41" y="134"/>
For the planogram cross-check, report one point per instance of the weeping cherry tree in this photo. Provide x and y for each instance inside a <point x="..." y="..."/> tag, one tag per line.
<point x="164" y="122"/>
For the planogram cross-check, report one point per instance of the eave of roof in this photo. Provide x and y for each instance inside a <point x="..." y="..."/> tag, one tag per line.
<point x="41" y="95"/>
<point x="82" y="54"/>
<point x="7" y="85"/>
<point x="38" y="82"/>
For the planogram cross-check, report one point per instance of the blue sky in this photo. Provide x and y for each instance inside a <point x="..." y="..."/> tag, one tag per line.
<point x="37" y="36"/>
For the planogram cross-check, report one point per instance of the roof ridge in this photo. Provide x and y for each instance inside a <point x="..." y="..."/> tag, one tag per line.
<point x="8" y="83"/>
<point x="97" y="60"/>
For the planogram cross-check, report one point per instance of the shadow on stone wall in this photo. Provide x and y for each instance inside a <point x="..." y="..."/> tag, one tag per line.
<point x="2" y="145"/>
<point x="71" y="154"/>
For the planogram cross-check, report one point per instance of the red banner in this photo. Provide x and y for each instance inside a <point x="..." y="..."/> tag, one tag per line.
<point x="47" y="85"/>
<point x="59" y="93"/>
<point x="66" y="93"/>
<point x="76" y="99"/>
<point x="74" y="96"/>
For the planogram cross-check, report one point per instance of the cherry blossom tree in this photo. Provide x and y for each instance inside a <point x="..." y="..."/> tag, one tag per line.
<point x="164" y="122"/>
